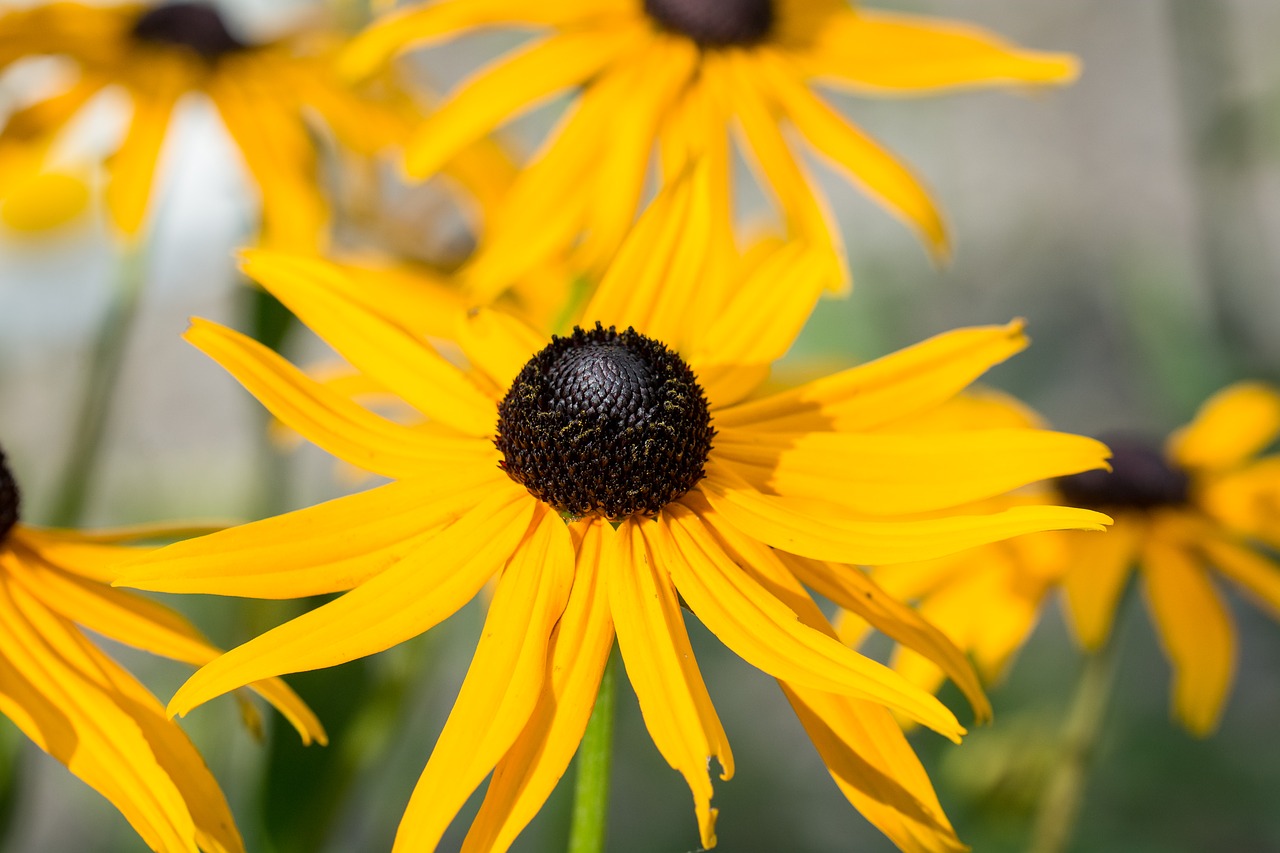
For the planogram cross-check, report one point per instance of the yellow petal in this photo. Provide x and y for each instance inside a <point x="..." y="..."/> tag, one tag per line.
<point x="864" y="162"/>
<point x="766" y="633"/>
<point x="885" y="474"/>
<point x="852" y="589"/>
<point x="875" y="51"/>
<point x="518" y="81"/>
<point x="1196" y="631"/>
<point x="580" y="647"/>
<point x="502" y="685"/>
<point x="326" y="548"/>
<point x="655" y="648"/>
<point x="497" y="343"/>
<point x="132" y="168"/>
<point x="44" y="201"/>
<point x="907" y="382"/>
<point x="95" y="718"/>
<point x="1096" y="577"/>
<point x="1258" y="574"/>
<point x="404" y="364"/>
<point x="875" y="768"/>
<point x="824" y="531"/>
<point x="1230" y="427"/>
<point x="425" y="587"/>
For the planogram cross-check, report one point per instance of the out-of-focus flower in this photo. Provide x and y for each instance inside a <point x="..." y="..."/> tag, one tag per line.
<point x="81" y="707"/>
<point x="1205" y="505"/>
<point x="676" y="76"/>
<point x="603" y="478"/>
<point x="266" y="95"/>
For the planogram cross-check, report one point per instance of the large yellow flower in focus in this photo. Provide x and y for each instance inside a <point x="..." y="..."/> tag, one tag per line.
<point x="85" y="710"/>
<point x="265" y="94"/>
<point x="677" y="76"/>
<point x="604" y="478"/>
<point x="1204" y="505"/>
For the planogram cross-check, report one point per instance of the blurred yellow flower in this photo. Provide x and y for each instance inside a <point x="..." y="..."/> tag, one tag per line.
<point x="610" y="430"/>
<point x="85" y="710"/>
<point x="677" y="75"/>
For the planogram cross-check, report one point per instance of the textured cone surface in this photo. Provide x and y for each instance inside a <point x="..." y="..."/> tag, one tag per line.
<point x="1140" y="479"/>
<point x="605" y="422"/>
<point x="195" y="26"/>
<point x="715" y="23"/>
<point x="9" y="500"/>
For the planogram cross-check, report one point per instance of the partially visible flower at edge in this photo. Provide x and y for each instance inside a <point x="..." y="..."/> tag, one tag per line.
<point x="84" y="709"/>
<point x="797" y="485"/>
<point x="679" y="76"/>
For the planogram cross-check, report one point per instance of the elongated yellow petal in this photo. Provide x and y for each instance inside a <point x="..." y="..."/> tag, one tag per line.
<point x="1096" y="577"/>
<point x="518" y="81"/>
<point x="404" y="364"/>
<point x="419" y="25"/>
<point x="579" y="649"/>
<point x="133" y="166"/>
<point x="427" y="586"/>
<point x="1259" y="575"/>
<point x="655" y="648"/>
<point x="502" y="685"/>
<point x="873" y="168"/>
<point x="1230" y="427"/>
<point x="875" y="51"/>
<point x="823" y="531"/>
<point x="885" y="475"/>
<point x="497" y="343"/>
<point x="852" y="589"/>
<point x="326" y="548"/>
<point x="1196" y="631"/>
<point x="876" y="769"/>
<point x="895" y="386"/>
<point x="95" y="718"/>
<point x="767" y="634"/>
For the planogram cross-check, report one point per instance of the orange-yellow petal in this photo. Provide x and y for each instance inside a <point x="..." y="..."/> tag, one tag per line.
<point x="1230" y="427"/>
<point x="1096" y="577"/>
<point x="1259" y="575"/>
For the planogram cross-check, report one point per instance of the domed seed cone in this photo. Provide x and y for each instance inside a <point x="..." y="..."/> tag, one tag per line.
<point x="715" y="23"/>
<point x="1141" y="479"/>
<point x="9" y="500"/>
<point x="195" y="26"/>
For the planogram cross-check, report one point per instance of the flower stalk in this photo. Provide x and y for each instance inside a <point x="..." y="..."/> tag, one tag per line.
<point x="595" y="757"/>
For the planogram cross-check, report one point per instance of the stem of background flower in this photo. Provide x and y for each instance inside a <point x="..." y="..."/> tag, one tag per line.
<point x="80" y="467"/>
<point x="595" y="755"/>
<point x="1055" y="819"/>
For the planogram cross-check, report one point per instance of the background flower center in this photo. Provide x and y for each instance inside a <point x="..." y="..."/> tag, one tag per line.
<point x="715" y="23"/>
<point x="605" y="422"/>
<point x="9" y="500"/>
<point x="1140" y="479"/>
<point x="195" y="26"/>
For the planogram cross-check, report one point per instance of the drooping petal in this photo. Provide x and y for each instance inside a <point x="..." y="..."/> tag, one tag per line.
<point x="907" y="382"/>
<point x="864" y="162"/>
<point x="884" y="474"/>
<point x="133" y="166"/>
<point x="147" y="625"/>
<point x="655" y="648"/>
<point x="330" y="420"/>
<point x="1259" y="575"/>
<point x="1196" y="631"/>
<point x="325" y="548"/>
<point x="766" y="633"/>
<point x="579" y="649"/>
<point x="424" y="588"/>
<point x="873" y="51"/>
<point x="502" y="685"/>
<point x="876" y="769"/>
<point x="1230" y="427"/>
<point x="1096" y="577"/>
<point x="84" y="710"/>
<point x="401" y="362"/>
<point x="823" y="531"/>
<point x="498" y="93"/>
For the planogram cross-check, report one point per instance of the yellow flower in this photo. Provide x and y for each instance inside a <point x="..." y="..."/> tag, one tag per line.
<point x="160" y="54"/>
<point x="85" y="710"/>
<point x="678" y="75"/>
<point x="603" y="483"/>
<point x="1205" y="505"/>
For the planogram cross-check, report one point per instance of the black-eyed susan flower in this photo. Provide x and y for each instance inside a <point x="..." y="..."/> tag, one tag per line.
<point x="265" y="93"/>
<point x="84" y="709"/>
<point x="676" y="76"/>
<point x="1203" y="505"/>
<point x="603" y="478"/>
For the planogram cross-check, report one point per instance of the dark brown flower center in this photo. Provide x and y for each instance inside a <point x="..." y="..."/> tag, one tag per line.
<point x="715" y="23"/>
<point x="195" y="26"/>
<point x="605" y="422"/>
<point x="1141" y="479"/>
<point x="9" y="500"/>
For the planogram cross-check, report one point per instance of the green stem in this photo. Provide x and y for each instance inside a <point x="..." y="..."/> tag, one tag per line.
<point x="1064" y="792"/>
<point x="591" y="793"/>
<point x="100" y="392"/>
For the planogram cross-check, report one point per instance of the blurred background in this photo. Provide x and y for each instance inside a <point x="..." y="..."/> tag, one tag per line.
<point x="1133" y="219"/>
